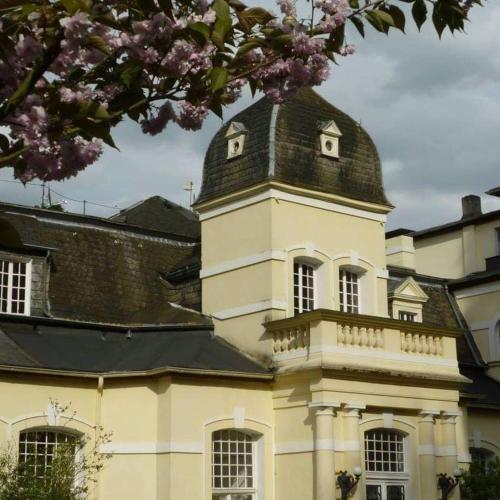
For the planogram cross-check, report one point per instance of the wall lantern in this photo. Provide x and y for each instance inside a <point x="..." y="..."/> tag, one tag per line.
<point x="347" y="482"/>
<point x="447" y="483"/>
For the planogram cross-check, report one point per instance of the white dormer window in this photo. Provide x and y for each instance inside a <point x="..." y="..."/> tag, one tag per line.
<point x="15" y="287"/>
<point x="235" y="135"/>
<point x="329" y="135"/>
<point x="407" y="301"/>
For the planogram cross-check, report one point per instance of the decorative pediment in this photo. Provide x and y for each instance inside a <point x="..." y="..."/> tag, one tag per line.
<point x="329" y="135"/>
<point x="235" y="134"/>
<point x="410" y="290"/>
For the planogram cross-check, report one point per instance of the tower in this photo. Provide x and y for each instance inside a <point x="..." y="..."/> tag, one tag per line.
<point x="292" y="210"/>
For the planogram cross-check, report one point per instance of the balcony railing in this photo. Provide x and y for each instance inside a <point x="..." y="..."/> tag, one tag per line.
<point x="357" y="337"/>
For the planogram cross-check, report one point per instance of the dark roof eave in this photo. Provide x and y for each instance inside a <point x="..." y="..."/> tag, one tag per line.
<point x="474" y="279"/>
<point x="140" y="373"/>
<point x="452" y="226"/>
<point x="42" y="320"/>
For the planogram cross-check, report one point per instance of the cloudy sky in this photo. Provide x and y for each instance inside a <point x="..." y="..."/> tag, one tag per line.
<point x="432" y="107"/>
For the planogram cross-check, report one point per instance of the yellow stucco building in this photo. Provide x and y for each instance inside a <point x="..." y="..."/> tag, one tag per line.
<point x="257" y="348"/>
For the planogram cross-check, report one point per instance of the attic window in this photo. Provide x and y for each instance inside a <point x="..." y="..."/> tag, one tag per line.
<point x="15" y="287"/>
<point x="235" y="135"/>
<point x="329" y="136"/>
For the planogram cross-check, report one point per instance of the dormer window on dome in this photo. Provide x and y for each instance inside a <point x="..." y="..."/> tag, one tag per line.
<point x="329" y="135"/>
<point x="235" y="135"/>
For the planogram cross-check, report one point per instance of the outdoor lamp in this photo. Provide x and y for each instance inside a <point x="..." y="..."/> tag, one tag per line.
<point x="447" y="483"/>
<point x="347" y="482"/>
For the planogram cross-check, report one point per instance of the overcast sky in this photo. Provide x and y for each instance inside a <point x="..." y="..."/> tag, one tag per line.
<point x="431" y="106"/>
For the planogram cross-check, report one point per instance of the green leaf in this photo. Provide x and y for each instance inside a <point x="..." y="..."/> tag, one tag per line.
<point x="100" y="130"/>
<point x="9" y="4"/>
<point x="130" y="73"/>
<point x="97" y="42"/>
<point x="218" y="78"/>
<point x="398" y="16"/>
<point x="358" y="23"/>
<point x="376" y="21"/>
<point x="237" y="5"/>
<point x="223" y="23"/>
<point x="201" y="28"/>
<point x="255" y="15"/>
<point x="438" y="20"/>
<point x="419" y="12"/>
<point x="249" y="45"/>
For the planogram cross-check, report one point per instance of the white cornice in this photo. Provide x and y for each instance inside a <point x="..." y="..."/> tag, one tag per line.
<point x="263" y="305"/>
<point x="473" y="291"/>
<point x="300" y="199"/>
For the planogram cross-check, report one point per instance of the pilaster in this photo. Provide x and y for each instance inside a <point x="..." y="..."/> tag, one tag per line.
<point x="427" y="453"/>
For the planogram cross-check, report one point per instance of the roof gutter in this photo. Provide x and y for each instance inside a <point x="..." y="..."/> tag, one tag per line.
<point x="140" y="373"/>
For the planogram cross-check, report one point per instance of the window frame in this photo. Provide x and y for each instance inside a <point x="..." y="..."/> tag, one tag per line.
<point x="300" y="297"/>
<point x="409" y="314"/>
<point x="222" y="493"/>
<point x="69" y="433"/>
<point x="342" y="284"/>
<point x="9" y="286"/>
<point x="388" y="478"/>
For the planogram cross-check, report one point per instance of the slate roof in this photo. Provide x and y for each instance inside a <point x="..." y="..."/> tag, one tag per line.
<point x="282" y="144"/>
<point x="160" y="214"/>
<point x="97" y="349"/>
<point x="103" y="271"/>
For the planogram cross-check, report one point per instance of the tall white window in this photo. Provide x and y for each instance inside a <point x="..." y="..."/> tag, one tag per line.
<point x="233" y="466"/>
<point x="349" y="291"/>
<point x="385" y="465"/>
<point x="14" y="287"/>
<point x="37" y="449"/>
<point x="303" y="287"/>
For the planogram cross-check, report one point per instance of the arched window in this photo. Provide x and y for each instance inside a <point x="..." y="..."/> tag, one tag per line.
<point x="385" y="465"/>
<point x="482" y="457"/>
<point x="233" y="465"/>
<point x="38" y="447"/>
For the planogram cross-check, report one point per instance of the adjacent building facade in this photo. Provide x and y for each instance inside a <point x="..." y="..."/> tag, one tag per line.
<point x="255" y="349"/>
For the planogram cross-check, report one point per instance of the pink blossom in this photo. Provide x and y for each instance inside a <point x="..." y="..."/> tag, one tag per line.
<point x="305" y="45"/>
<point x="191" y="117"/>
<point x="347" y="50"/>
<point x="286" y="7"/>
<point x="28" y="49"/>
<point x="157" y="124"/>
<point x="76" y="26"/>
<point x="184" y="57"/>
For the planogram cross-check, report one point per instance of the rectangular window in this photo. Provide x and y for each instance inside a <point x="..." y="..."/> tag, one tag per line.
<point x="14" y="287"/>
<point x="349" y="292"/>
<point x="303" y="288"/>
<point x="384" y="451"/>
<point x="233" y="464"/>
<point x="407" y="316"/>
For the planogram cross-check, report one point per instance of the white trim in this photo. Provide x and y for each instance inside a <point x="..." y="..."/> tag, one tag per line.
<point x="248" y="260"/>
<point x="474" y="291"/>
<point x="403" y="248"/>
<point x="264" y="305"/>
<point x="396" y="419"/>
<point x="446" y="451"/>
<point x="324" y="404"/>
<point x="367" y="353"/>
<point x="464" y="457"/>
<point x="62" y="416"/>
<point x="272" y="132"/>
<point x="239" y="418"/>
<point x="381" y="273"/>
<point x="387" y="418"/>
<point x="426" y="449"/>
<point x="293" y="198"/>
<point x="151" y="448"/>
<point x="308" y="446"/>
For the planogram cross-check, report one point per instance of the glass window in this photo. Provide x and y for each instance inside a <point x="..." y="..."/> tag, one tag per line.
<point x="233" y="465"/>
<point x="384" y="451"/>
<point x="407" y="316"/>
<point x="14" y="287"/>
<point x="349" y="291"/>
<point x="482" y="457"/>
<point x="303" y="287"/>
<point x="37" y="449"/>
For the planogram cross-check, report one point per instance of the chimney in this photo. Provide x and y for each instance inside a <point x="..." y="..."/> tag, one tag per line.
<point x="471" y="206"/>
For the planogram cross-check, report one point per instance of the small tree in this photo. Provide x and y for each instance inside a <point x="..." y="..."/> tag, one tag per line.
<point x="65" y="474"/>
<point x="480" y="482"/>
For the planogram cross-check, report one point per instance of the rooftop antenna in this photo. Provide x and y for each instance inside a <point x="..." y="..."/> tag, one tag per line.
<point x="189" y="187"/>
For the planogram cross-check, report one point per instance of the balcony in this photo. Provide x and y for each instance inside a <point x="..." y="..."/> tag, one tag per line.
<point x="342" y="341"/>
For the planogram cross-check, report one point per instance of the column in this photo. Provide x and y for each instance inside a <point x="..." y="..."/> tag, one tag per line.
<point x="449" y="447"/>
<point x="324" y="458"/>
<point x="427" y="455"/>
<point x="352" y="446"/>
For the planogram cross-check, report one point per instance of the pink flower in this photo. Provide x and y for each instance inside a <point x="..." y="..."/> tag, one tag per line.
<point x="28" y="49"/>
<point x="191" y="117"/>
<point x="157" y="124"/>
<point x="286" y="7"/>
<point x="347" y="50"/>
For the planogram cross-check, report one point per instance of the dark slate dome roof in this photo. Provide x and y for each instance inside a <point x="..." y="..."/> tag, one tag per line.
<point x="282" y="144"/>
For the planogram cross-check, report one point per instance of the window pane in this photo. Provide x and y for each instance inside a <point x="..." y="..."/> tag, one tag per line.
<point x="349" y="291"/>
<point x="235" y="449"/>
<point x="303" y="288"/>
<point x="384" y="451"/>
<point x="373" y="492"/>
<point x="395" y="492"/>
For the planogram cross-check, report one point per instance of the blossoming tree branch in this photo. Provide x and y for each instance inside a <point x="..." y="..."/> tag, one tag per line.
<point x="71" y="70"/>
